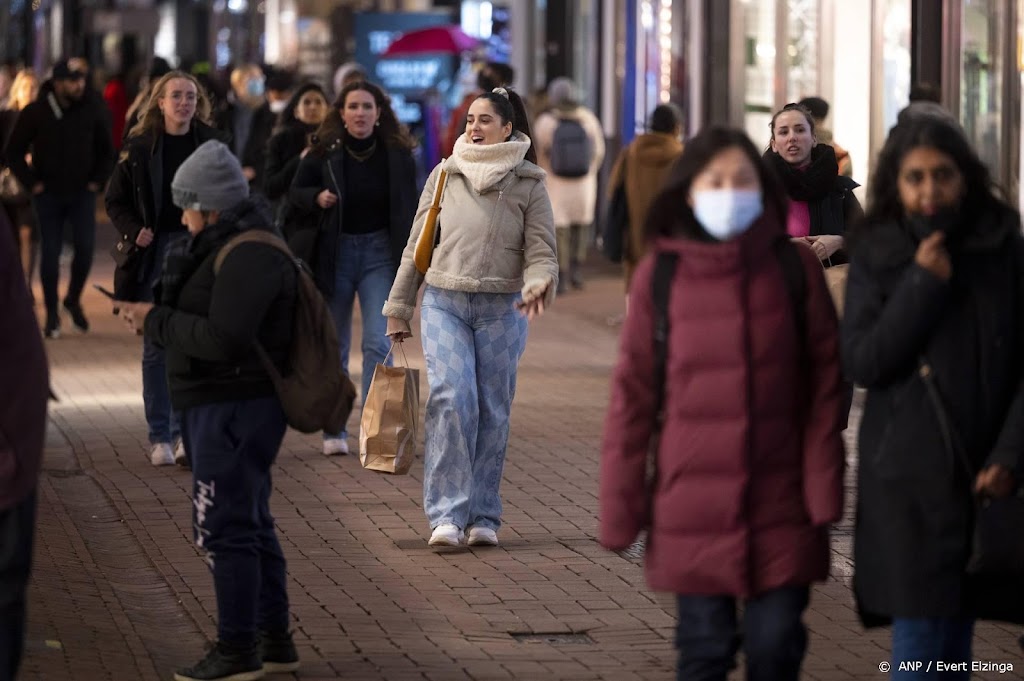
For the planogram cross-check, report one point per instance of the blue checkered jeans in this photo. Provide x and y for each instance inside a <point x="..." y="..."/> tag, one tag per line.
<point x="472" y="343"/>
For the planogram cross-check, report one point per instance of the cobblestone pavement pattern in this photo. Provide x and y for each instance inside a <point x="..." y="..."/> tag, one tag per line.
<point x="119" y="592"/>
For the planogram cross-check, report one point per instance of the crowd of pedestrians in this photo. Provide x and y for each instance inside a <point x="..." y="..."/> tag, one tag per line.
<point x="723" y="437"/>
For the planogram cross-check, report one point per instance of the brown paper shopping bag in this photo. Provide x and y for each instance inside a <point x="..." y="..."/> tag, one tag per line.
<point x="390" y="423"/>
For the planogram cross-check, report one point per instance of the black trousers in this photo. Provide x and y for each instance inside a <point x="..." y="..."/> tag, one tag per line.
<point x="17" y="530"/>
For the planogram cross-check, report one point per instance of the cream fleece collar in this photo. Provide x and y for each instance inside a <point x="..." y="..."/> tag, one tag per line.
<point x="485" y="165"/>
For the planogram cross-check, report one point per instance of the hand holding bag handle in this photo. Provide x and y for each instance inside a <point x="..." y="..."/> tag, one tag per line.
<point x="997" y="542"/>
<point x="428" y="236"/>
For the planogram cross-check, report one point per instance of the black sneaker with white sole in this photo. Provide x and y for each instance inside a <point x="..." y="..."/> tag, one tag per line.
<point x="225" y="663"/>
<point x="52" y="328"/>
<point x="78" y="319"/>
<point x="278" y="653"/>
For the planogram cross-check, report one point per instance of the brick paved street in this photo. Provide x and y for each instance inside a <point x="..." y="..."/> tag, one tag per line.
<point x="120" y="593"/>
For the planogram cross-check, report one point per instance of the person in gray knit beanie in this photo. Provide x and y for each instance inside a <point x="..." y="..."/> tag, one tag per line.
<point x="210" y="179"/>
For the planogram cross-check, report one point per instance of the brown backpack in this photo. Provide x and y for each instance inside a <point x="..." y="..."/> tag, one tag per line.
<point x="315" y="393"/>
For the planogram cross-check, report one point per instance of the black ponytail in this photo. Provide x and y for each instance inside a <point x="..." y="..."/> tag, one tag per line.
<point x="510" y="108"/>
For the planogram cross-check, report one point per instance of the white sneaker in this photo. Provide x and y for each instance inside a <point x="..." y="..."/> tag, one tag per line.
<point x="445" y="535"/>
<point x="179" y="454"/>
<point x="335" y="446"/>
<point x="161" y="454"/>
<point x="482" y="536"/>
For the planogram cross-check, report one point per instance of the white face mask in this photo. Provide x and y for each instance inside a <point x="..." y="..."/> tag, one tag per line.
<point x="278" y="106"/>
<point x="727" y="213"/>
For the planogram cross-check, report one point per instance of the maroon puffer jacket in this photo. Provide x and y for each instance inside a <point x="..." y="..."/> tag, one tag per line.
<point x="24" y="380"/>
<point x="748" y="480"/>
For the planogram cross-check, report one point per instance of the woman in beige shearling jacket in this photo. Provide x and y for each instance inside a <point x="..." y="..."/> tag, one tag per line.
<point x="493" y="268"/>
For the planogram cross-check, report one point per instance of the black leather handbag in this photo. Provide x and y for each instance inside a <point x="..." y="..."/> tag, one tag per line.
<point x="997" y="543"/>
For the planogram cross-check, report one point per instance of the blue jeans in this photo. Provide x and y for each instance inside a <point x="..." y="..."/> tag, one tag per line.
<point x="365" y="268"/>
<point x="53" y="210"/>
<point x="233" y="445"/>
<point x="774" y="636"/>
<point x="162" y="420"/>
<point x="472" y="343"/>
<point x="929" y="639"/>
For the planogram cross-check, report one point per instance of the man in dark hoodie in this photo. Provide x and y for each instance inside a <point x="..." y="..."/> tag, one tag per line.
<point x="24" y="375"/>
<point x="68" y="135"/>
<point x="232" y="422"/>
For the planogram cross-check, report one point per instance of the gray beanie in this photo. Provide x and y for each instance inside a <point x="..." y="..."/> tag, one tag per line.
<point x="210" y="179"/>
<point x="561" y="92"/>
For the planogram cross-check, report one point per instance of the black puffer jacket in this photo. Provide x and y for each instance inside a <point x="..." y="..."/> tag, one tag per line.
<point x="317" y="173"/>
<point x="208" y="324"/>
<point x="914" y="507"/>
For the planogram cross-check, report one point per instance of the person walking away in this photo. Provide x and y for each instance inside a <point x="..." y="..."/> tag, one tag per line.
<point x="570" y="148"/>
<point x="19" y="211"/>
<point x="115" y="95"/>
<point x="641" y="169"/>
<point x="493" y="269"/>
<point x="68" y="136"/>
<point x="819" y="109"/>
<point x="24" y="373"/>
<point x="302" y="115"/>
<point x="361" y="178"/>
<point x="934" y="302"/>
<point x="748" y="458"/>
<point x="210" y="322"/>
<point x="822" y="206"/>
<point x="237" y="115"/>
<point x="173" y="124"/>
<point x="279" y="84"/>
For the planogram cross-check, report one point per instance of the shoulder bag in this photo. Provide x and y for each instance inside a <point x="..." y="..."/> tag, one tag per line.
<point x="429" y="235"/>
<point x="997" y="541"/>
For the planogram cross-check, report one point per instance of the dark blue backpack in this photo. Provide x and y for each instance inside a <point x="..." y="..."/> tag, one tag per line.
<point x="571" y="149"/>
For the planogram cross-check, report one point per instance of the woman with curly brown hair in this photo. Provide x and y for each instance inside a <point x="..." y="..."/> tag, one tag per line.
<point x="361" y="179"/>
<point x="172" y="125"/>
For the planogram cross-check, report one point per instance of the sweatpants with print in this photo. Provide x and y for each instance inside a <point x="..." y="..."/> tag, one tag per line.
<point x="233" y="445"/>
<point x="472" y="343"/>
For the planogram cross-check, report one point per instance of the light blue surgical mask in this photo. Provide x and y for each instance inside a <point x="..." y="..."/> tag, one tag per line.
<point x="255" y="87"/>
<point x="727" y="213"/>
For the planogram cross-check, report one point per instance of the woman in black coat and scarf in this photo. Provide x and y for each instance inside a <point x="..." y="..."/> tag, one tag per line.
<point x="171" y="126"/>
<point x="933" y="329"/>
<point x="303" y="114"/>
<point x="822" y="205"/>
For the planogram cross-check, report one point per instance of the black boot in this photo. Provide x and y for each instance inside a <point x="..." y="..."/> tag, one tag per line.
<point x="225" y="663"/>
<point x="77" y="315"/>
<point x="575" y="276"/>
<point x="278" y="652"/>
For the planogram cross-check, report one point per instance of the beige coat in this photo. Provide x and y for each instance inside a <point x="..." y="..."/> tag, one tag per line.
<point x="500" y="240"/>
<point x="573" y="199"/>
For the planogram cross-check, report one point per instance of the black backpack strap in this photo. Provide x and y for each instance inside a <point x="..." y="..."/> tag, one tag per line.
<point x="795" y="277"/>
<point x="661" y="287"/>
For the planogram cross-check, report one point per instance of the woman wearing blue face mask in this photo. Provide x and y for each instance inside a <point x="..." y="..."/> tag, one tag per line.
<point x="749" y="459"/>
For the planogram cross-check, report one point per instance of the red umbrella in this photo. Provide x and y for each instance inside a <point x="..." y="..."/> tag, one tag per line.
<point x="433" y="40"/>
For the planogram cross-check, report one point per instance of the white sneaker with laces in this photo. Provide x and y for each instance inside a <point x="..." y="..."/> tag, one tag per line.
<point x="335" y="446"/>
<point x="482" y="536"/>
<point x="445" y="535"/>
<point x="161" y="454"/>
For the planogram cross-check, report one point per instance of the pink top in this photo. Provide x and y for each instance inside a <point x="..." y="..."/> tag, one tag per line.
<point x="798" y="222"/>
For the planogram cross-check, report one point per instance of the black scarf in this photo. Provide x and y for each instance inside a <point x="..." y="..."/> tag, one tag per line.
<point x="814" y="182"/>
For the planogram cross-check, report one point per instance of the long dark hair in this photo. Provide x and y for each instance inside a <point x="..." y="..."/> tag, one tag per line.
<point x="332" y="131"/>
<point x="287" y="117"/>
<point x="884" y="203"/>
<point x="670" y="214"/>
<point x="510" y="108"/>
